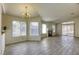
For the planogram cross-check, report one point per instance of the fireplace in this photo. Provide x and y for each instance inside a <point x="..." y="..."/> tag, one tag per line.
<point x="49" y="33"/>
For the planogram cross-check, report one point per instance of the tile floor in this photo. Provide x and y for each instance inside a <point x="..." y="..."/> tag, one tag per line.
<point x="63" y="45"/>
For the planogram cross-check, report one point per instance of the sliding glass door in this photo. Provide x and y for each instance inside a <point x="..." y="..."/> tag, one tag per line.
<point x="68" y="29"/>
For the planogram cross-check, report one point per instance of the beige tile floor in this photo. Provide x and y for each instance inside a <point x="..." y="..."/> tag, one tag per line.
<point x="63" y="45"/>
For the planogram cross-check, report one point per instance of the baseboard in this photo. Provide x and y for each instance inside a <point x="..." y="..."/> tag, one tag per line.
<point x="23" y="41"/>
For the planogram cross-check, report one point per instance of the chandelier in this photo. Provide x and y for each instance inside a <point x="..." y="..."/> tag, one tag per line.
<point x="26" y="13"/>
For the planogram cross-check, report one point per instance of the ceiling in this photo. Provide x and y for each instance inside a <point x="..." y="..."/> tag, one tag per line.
<point x="55" y="12"/>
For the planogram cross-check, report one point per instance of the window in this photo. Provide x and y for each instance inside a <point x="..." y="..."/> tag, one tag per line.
<point x="53" y="27"/>
<point x="15" y="28"/>
<point x="34" y="30"/>
<point x="22" y="28"/>
<point x="18" y="28"/>
<point x="68" y="28"/>
<point x="44" y="28"/>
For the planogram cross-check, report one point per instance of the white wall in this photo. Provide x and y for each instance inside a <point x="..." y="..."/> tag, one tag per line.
<point x="76" y="20"/>
<point x="59" y="29"/>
